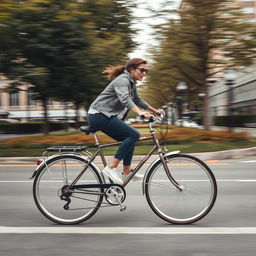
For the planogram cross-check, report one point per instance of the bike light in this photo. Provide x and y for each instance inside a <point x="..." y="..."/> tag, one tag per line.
<point x="39" y="161"/>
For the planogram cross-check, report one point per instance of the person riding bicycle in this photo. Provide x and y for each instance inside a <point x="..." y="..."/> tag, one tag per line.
<point x="108" y="111"/>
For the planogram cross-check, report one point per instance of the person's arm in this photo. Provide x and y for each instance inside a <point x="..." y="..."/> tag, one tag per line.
<point x="143" y="104"/>
<point x="156" y="111"/>
<point x="121" y="88"/>
<point x="137" y="110"/>
<point x="147" y="114"/>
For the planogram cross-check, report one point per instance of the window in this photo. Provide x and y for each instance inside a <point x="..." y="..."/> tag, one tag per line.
<point x="49" y="102"/>
<point x="251" y="20"/>
<point x="14" y="99"/>
<point x="248" y="10"/>
<point x="30" y="97"/>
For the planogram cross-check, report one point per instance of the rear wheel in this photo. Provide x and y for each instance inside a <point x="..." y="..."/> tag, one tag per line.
<point x="56" y="201"/>
<point x="191" y="200"/>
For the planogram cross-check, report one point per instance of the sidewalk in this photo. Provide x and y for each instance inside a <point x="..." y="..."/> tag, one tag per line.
<point x="250" y="131"/>
<point x="218" y="155"/>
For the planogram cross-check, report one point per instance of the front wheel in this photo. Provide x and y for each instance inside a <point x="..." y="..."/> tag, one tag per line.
<point x="54" y="198"/>
<point x="188" y="202"/>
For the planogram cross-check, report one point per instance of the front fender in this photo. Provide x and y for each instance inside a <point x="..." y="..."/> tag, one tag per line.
<point x="152" y="164"/>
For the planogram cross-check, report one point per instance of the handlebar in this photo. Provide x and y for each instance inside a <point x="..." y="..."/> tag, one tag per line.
<point x="153" y="119"/>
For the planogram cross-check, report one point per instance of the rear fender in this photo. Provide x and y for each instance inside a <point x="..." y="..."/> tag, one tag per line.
<point x="49" y="159"/>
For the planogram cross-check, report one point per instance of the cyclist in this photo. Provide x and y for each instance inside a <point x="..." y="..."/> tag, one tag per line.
<point x="110" y="108"/>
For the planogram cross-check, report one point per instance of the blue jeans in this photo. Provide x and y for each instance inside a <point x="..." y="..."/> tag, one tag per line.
<point x="117" y="130"/>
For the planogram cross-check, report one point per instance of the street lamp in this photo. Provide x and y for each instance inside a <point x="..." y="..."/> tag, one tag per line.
<point x="169" y="113"/>
<point x="230" y="76"/>
<point x="181" y="90"/>
<point x="201" y="96"/>
<point x="165" y="108"/>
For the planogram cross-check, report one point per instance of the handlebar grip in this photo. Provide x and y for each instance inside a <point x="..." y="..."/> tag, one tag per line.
<point x="150" y="120"/>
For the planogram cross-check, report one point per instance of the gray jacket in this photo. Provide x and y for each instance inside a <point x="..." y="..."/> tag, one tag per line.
<point x="120" y="95"/>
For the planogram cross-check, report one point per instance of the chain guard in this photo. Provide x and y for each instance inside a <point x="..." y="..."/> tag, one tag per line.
<point x="115" y="195"/>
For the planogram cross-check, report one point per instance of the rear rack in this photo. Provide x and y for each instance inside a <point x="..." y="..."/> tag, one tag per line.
<point x="66" y="149"/>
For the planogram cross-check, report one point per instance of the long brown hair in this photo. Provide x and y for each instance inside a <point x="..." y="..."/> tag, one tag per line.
<point x="114" y="71"/>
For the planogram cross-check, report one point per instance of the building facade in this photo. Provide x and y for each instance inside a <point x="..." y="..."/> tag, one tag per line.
<point x="21" y="105"/>
<point x="243" y="93"/>
<point x="248" y="7"/>
<point x="244" y="89"/>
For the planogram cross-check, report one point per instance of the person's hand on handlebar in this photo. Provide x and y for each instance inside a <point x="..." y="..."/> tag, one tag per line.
<point x="160" y="112"/>
<point x="145" y="115"/>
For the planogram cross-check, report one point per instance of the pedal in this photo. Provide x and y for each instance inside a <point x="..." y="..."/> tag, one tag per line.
<point x="122" y="207"/>
<point x="115" y="195"/>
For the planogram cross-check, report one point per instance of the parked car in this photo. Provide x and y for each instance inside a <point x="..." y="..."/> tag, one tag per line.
<point x="186" y="123"/>
<point x="8" y="120"/>
<point x="130" y="120"/>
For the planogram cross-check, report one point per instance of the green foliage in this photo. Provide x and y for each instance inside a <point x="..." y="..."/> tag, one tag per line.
<point x="235" y="120"/>
<point x="206" y="37"/>
<point x="31" y="127"/>
<point x="61" y="47"/>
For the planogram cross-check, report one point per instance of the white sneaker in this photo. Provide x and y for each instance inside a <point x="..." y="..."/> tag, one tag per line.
<point x="136" y="177"/>
<point x="112" y="174"/>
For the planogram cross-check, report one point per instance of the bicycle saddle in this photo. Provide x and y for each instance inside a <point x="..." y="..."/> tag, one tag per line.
<point x="88" y="129"/>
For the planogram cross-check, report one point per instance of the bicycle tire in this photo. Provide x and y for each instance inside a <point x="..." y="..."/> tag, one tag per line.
<point x="58" y="172"/>
<point x="193" y="202"/>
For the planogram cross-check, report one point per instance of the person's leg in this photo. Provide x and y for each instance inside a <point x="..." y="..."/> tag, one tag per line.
<point x="120" y="131"/>
<point x="127" y="162"/>
<point x="129" y="136"/>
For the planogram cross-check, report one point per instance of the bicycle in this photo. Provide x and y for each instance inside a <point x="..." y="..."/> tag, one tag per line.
<point x="69" y="188"/>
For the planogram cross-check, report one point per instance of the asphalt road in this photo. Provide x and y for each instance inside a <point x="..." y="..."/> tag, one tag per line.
<point x="229" y="229"/>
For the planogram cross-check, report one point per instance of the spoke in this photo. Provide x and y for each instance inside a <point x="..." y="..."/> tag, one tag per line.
<point x="192" y="201"/>
<point x="85" y="199"/>
<point x="158" y="184"/>
<point x="88" y="208"/>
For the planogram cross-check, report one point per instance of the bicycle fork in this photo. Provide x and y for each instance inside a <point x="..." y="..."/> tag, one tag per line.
<point x="168" y="173"/>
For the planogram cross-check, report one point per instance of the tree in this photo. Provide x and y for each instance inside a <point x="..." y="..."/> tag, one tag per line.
<point x="62" y="46"/>
<point x="208" y="36"/>
<point x="113" y="38"/>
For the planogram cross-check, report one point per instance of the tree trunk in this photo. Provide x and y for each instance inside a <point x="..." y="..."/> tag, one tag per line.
<point x="45" y="128"/>
<point x="77" y="117"/>
<point x="206" y="119"/>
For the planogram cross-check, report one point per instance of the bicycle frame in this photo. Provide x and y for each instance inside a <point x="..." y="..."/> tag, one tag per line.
<point x="156" y="148"/>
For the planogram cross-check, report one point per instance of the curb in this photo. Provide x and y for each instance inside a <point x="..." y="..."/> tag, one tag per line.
<point x="218" y="155"/>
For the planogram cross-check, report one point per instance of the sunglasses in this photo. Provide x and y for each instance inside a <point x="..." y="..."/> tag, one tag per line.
<point x="143" y="70"/>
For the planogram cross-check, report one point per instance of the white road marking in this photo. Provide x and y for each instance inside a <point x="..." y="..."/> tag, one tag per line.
<point x="219" y="180"/>
<point x="131" y="230"/>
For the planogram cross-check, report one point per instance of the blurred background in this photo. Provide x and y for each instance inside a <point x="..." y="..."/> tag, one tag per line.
<point x="201" y="58"/>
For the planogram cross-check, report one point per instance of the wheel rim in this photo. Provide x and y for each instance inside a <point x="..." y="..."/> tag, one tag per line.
<point x="48" y="191"/>
<point x="189" y="205"/>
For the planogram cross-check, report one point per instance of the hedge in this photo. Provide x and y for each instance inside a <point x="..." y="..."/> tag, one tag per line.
<point x="31" y="127"/>
<point x="235" y="120"/>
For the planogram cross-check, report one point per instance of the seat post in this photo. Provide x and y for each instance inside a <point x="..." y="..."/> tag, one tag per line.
<point x="100" y="151"/>
<point x="96" y="139"/>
